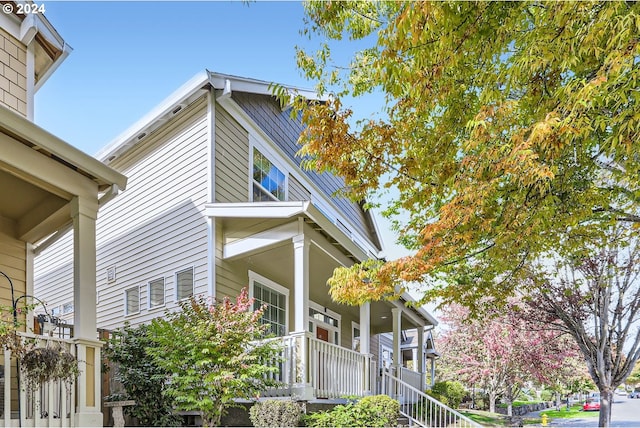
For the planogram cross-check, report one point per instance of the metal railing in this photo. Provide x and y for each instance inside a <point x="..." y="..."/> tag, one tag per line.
<point x="420" y="408"/>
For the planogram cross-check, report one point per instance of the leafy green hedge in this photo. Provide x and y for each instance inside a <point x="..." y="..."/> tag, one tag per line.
<point x="371" y="411"/>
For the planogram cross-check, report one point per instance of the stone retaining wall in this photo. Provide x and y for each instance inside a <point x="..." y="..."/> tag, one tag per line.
<point x="527" y="408"/>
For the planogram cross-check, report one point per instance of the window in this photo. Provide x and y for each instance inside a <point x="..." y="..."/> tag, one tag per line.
<point x="132" y="300"/>
<point x="67" y="308"/>
<point x="184" y="284"/>
<point x="275" y="297"/>
<point x="269" y="183"/>
<point x="355" y="335"/>
<point x="156" y="293"/>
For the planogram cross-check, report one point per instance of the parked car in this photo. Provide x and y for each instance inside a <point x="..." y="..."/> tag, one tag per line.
<point x="591" y="404"/>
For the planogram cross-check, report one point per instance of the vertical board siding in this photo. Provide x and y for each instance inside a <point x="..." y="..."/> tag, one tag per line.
<point x="277" y="124"/>
<point x="153" y="229"/>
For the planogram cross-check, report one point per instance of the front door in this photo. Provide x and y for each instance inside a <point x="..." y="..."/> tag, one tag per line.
<point x="322" y="333"/>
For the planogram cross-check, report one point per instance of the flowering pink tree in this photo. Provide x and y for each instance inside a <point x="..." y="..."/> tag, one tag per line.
<point x="500" y="352"/>
<point x="214" y="354"/>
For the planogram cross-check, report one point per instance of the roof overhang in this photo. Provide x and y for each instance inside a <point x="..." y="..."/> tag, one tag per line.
<point x="287" y="210"/>
<point x="196" y="87"/>
<point x="53" y="147"/>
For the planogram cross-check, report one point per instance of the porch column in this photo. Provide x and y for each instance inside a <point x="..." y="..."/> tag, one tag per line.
<point x="84" y="214"/>
<point x="433" y="371"/>
<point x="303" y="389"/>
<point x="365" y="344"/>
<point x="396" y="314"/>
<point x="420" y="357"/>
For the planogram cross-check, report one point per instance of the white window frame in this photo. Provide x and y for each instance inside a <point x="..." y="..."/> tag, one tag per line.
<point x="164" y="292"/>
<point x="256" y="277"/>
<point x="126" y="306"/>
<point x="275" y="161"/>
<point x="332" y="314"/>
<point x="193" y="283"/>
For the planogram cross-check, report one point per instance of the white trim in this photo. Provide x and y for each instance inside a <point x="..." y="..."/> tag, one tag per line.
<point x="211" y="185"/>
<point x="323" y="310"/>
<point x="193" y="283"/>
<point x="253" y="276"/>
<point x="164" y="293"/>
<point x="260" y="240"/>
<point x="256" y="277"/>
<point x="126" y="301"/>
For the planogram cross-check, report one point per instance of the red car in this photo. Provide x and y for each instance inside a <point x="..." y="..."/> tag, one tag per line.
<point x="592" y="404"/>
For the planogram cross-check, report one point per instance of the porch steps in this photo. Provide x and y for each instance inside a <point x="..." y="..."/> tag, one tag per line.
<point x="421" y="409"/>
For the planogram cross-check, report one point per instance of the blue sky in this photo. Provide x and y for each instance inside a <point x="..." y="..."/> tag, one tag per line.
<point x="128" y="56"/>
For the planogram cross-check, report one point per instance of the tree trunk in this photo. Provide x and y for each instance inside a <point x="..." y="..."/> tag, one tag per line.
<point x="509" y="399"/>
<point x="492" y="402"/>
<point x="606" y="400"/>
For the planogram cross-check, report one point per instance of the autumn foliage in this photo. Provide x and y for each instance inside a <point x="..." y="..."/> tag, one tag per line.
<point x="509" y="128"/>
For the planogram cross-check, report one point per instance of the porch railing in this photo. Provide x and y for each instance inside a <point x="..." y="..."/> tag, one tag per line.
<point x="52" y="404"/>
<point x="413" y="378"/>
<point x="322" y="369"/>
<point x="420" y="408"/>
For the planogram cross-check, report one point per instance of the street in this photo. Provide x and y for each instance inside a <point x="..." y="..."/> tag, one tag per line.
<point x="625" y="413"/>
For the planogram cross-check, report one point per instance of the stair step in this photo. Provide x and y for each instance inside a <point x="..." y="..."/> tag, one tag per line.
<point x="403" y="421"/>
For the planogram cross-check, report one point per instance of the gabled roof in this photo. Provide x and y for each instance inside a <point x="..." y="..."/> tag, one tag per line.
<point x="180" y="98"/>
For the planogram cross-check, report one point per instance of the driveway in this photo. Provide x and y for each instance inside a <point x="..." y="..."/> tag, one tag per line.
<point x="625" y="413"/>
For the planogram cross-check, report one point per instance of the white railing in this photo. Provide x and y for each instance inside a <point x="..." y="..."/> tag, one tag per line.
<point x="420" y="408"/>
<point x="413" y="378"/>
<point x="52" y="404"/>
<point x="329" y="370"/>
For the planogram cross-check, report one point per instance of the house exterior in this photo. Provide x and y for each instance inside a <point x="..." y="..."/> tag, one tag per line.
<point x="217" y="201"/>
<point x="46" y="187"/>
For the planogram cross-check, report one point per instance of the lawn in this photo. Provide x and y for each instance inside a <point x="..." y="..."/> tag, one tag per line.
<point x="487" y="419"/>
<point x="575" y="412"/>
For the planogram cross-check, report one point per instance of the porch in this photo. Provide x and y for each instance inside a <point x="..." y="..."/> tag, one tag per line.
<point x="310" y="368"/>
<point x="287" y="251"/>
<point x="50" y="404"/>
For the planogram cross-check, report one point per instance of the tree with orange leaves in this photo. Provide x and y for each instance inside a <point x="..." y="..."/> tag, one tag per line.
<point x="510" y="128"/>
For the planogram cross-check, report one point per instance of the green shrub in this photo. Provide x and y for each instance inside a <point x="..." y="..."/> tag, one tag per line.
<point x="275" y="413"/>
<point x="371" y="411"/>
<point x="453" y="391"/>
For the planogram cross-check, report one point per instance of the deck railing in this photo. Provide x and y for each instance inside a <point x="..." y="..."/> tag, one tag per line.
<point x="52" y="404"/>
<point x="413" y="378"/>
<point x="420" y="408"/>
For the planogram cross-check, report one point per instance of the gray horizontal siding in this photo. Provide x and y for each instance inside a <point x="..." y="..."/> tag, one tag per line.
<point x="232" y="159"/>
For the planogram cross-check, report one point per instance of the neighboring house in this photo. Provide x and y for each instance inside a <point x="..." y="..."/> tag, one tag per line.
<point x="217" y="201"/>
<point x="46" y="186"/>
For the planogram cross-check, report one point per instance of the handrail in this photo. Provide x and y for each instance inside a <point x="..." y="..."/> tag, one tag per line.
<point x="420" y="408"/>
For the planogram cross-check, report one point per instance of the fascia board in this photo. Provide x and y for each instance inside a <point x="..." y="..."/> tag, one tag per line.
<point x="254" y="86"/>
<point x="255" y="209"/>
<point x="129" y="136"/>
<point x="19" y="127"/>
<point x="284" y="210"/>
